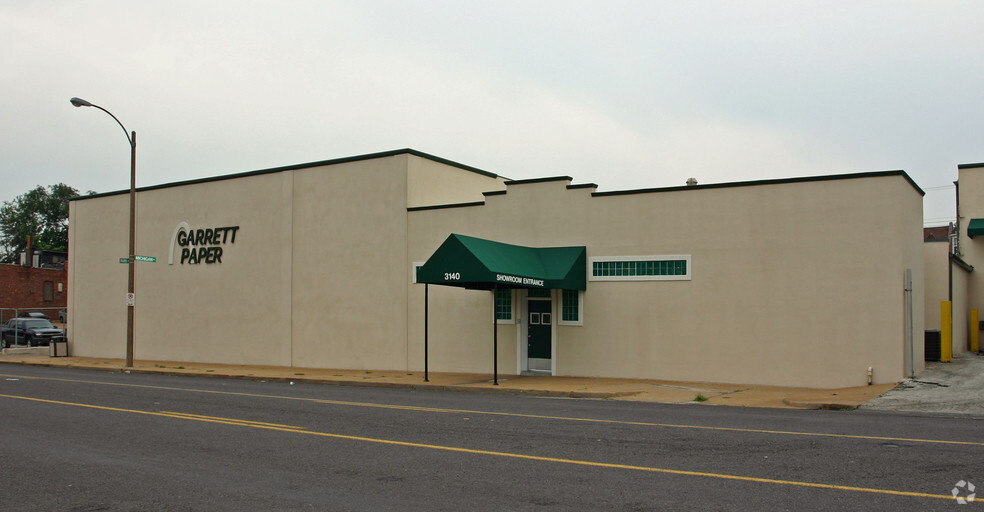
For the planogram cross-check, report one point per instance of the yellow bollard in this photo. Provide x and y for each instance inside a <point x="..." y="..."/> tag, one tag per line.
<point x="975" y="331"/>
<point x="946" y="331"/>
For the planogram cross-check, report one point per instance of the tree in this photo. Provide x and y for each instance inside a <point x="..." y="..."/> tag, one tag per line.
<point x="41" y="213"/>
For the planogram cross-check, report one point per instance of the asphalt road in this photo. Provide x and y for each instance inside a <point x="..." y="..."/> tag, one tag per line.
<point x="78" y="440"/>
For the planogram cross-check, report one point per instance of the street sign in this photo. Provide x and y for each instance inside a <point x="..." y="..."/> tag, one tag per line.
<point x="139" y="258"/>
<point x="130" y="300"/>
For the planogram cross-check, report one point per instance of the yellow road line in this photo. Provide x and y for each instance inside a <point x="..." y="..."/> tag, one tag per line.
<point x="520" y="415"/>
<point x="646" y="424"/>
<point x="608" y="465"/>
<point x="248" y="423"/>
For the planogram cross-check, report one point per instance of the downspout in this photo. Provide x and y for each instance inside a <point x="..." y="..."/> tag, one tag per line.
<point x="949" y="270"/>
<point x="955" y="245"/>
<point x="908" y="300"/>
<point x="954" y="251"/>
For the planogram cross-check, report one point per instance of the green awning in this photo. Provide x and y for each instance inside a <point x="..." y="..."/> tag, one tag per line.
<point x="975" y="228"/>
<point x="476" y="263"/>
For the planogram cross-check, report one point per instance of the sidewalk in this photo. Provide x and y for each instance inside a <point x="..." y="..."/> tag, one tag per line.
<point x="942" y="388"/>
<point x="571" y="387"/>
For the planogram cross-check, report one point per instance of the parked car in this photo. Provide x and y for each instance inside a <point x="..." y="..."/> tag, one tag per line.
<point x="33" y="314"/>
<point x="63" y="316"/>
<point x="28" y="331"/>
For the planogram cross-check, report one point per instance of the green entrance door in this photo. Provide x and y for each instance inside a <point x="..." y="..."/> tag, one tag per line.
<point x="538" y="334"/>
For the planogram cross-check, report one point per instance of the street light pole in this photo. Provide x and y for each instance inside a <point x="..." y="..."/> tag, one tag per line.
<point x="131" y="137"/>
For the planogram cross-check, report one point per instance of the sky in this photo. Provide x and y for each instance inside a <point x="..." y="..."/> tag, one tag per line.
<point x="622" y="94"/>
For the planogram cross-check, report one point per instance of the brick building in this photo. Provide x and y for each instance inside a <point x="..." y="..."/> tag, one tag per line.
<point x="40" y="289"/>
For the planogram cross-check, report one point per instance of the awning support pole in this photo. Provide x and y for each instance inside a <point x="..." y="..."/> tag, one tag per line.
<point x="495" y="338"/>
<point x="426" y="330"/>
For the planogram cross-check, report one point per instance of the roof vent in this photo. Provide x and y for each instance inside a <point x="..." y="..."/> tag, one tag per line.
<point x="692" y="182"/>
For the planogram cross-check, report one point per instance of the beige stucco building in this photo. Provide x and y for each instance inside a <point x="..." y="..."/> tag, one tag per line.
<point x="315" y="265"/>
<point x="947" y="278"/>
<point x="953" y="265"/>
<point x="954" y="255"/>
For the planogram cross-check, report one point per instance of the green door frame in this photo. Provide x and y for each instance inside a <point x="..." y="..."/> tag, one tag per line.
<point x="544" y="332"/>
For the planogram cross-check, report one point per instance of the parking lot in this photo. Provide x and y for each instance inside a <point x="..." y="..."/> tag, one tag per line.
<point x="30" y="328"/>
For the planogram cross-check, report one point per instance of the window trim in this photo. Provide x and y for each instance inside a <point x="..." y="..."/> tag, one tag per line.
<point x="663" y="257"/>
<point x="580" y="309"/>
<point x="512" y="307"/>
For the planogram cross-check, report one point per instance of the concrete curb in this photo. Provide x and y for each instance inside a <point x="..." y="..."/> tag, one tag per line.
<point x="25" y="351"/>
<point x="550" y="387"/>
<point x="832" y="406"/>
<point x="598" y="395"/>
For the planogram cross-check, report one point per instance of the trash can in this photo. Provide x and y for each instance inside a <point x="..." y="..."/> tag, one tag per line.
<point x="933" y="345"/>
<point x="58" y="347"/>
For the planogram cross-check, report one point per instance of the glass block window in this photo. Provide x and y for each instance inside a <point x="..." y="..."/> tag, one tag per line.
<point x="641" y="268"/>
<point x="570" y="310"/>
<point x="503" y="304"/>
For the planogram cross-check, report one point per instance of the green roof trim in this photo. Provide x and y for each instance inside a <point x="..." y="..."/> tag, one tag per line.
<point x="371" y="156"/>
<point x="970" y="166"/>
<point x="975" y="227"/>
<point x="444" y="206"/>
<point x="806" y="179"/>
<point x="581" y="185"/>
<point x="476" y="263"/>
<point x="539" y="180"/>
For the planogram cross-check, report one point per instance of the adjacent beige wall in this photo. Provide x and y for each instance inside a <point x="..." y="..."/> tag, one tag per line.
<point x="97" y="282"/>
<point x="433" y="183"/>
<point x="231" y="312"/>
<point x="775" y="297"/>
<point x="961" y="311"/>
<point x="937" y="278"/>
<point x="971" y="206"/>
<point x="461" y="332"/>
<point x="349" y="265"/>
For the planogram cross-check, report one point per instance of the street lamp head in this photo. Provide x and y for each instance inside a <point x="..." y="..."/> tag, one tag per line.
<point x="130" y="137"/>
